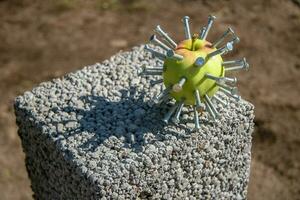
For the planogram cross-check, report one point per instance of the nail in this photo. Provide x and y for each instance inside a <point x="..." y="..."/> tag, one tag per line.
<point x="232" y="62"/>
<point x="154" y="40"/>
<point x="211" y="105"/>
<point x="161" y="96"/>
<point x="151" y="71"/>
<point x="151" y="68"/>
<point x="236" y="65"/>
<point x="208" y="109"/>
<point x="154" y="69"/>
<point x="246" y="65"/>
<point x="229" y="94"/>
<point x="221" y="39"/>
<point x="232" y="90"/>
<point x="211" y="20"/>
<point x="235" y="40"/>
<point x="164" y="99"/>
<point x="202" y="31"/>
<point x="199" y="62"/>
<point x="196" y="118"/>
<point x="172" y="54"/>
<point x="186" y="27"/>
<point x="166" y="37"/>
<point x="228" y="47"/>
<point x="178" y="86"/>
<point x="199" y="105"/>
<point x="229" y="80"/>
<point x="212" y="77"/>
<point x="221" y="79"/>
<point x="176" y="119"/>
<point x="219" y="100"/>
<point x="155" y="82"/>
<point x="157" y="54"/>
<point x="170" y="112"/>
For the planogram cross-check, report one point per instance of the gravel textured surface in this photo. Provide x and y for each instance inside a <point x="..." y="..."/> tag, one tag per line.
<point x="94" y="134"/>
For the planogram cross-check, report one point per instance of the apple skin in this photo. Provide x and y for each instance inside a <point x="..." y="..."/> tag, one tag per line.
<point x="174" y="70"/>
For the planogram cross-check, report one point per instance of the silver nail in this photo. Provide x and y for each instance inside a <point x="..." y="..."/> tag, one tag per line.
<point x="208" y="109"/>
<point x="161" y="96"/>
<point x="170" y="112"/>
<point x="154" y="40"/>
<point x="219" y="100"/>
<point x="236" y="65"/>
<point x="178" y="86"/>
<point x="196" y="118"/>
<point x="157" y="54"/>
<point x="198" y="100"/>
<point x="151" y="68"/>
<point x="232" y="90"/>
<point x="229" y="94"/>
<point x="235" y="40"/>
<point x="176" y="119"/>
<point x="228" y="47"/>
<point x="172" y="54"/>
<point x="232" y="62"/>
<point x="212" y="77"/>
<point x="164" y="99"/>
<point x="229" y="80"/>
<point x="221" y="39"/>
<point x="166" y="37"/>
<point x="154" y="69"/>
<point x="187" y="32"/>
<point x="222" y="79"/>
<point x="151" y="71"/>
<point x="211" y="20"/>
<point x="155" y="82"/>
<point x="201" y="34"/>
<point x="211" y="105"/>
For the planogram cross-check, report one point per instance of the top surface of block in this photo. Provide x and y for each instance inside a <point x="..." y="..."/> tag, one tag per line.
<point x="102" y="117"/>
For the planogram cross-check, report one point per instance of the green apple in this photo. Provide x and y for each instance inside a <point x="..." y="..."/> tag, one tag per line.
<point x="174" y="70"/>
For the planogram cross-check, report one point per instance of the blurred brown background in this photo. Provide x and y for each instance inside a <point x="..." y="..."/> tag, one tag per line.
<point x="41" y="40"/>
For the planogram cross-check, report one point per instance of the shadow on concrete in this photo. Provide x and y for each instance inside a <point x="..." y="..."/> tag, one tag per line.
<point x="131" y="119"/>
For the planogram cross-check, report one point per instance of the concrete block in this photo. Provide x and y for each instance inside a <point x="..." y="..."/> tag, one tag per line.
<point x="94" y="134"/>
